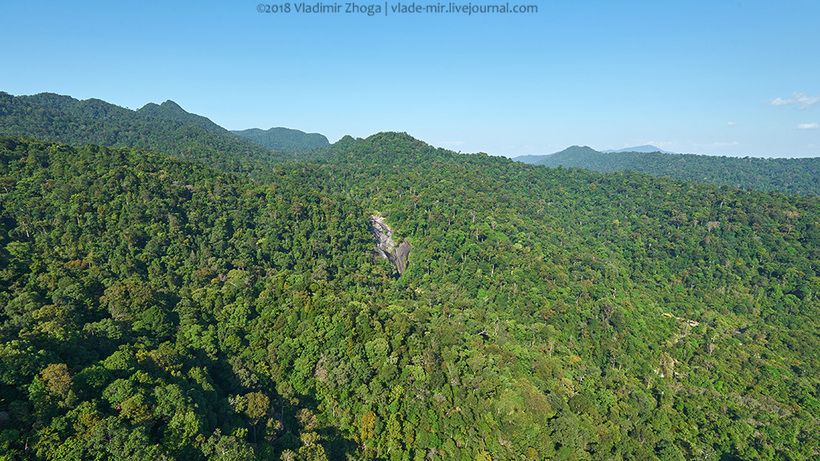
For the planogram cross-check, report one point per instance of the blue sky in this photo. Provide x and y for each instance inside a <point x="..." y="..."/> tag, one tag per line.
<point x="701" y="76"/>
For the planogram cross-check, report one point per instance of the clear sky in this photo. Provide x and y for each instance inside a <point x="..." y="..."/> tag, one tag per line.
<point x="734" y="77"/>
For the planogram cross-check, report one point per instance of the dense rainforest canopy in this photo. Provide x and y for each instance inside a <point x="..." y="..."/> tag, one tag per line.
<point x="155" y="308"/>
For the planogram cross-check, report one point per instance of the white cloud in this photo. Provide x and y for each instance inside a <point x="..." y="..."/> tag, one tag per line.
<point x="808" y="126"/>
<point x="801" y="100"/>
<point x="732" y="123"/>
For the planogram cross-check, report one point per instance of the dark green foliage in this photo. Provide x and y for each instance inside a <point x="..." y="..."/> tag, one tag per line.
<point x="152" y="308"/>
<point x="165" y="128"/>
<point x="285" y="139"/>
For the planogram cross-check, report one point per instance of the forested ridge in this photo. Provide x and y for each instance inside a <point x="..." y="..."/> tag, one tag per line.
<point x="156" y="308"/>
<point x="787" y="175"/>
<point x="165" y="128"/>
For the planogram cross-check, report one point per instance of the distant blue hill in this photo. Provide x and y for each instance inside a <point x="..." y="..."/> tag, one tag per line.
<point x="646" y="148"/>
<point x="530" y="159"/>
<point x="586" y="152"/>
<point x="284" y="139"/>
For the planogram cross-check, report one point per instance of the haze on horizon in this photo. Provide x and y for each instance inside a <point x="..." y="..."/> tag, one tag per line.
<point x="690" y="77"/>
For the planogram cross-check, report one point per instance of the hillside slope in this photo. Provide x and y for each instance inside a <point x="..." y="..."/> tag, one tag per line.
<point x="165" y="128"/>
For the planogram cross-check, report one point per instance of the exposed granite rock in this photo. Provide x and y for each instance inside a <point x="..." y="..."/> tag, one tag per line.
<point x="386" y="247"/>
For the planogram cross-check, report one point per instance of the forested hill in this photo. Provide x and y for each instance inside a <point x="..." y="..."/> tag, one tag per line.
<point x="154" y="308"/>
<point x="791" y="176"/>
<point x="387" y="148"/>
<point x="285" y="139"/>
<point x="169" y="110"/>
<point x="573" y="156"/>
<point x="165" y="128"/>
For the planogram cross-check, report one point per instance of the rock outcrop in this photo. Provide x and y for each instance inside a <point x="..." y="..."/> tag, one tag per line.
<point x="386" y="247"/>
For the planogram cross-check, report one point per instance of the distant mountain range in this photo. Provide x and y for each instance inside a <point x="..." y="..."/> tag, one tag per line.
<point x="795" y="176"/>
<point x="165" y="127"/>
<point x="586" y="150"/>
<point x="168" y="128"/>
